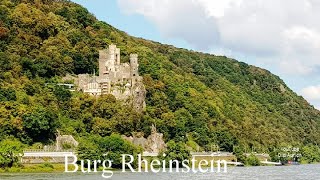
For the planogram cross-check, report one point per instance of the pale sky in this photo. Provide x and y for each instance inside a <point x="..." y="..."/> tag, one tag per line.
<point x="282" y="36"/>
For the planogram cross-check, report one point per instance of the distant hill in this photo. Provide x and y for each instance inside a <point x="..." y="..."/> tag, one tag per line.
<point x="191" y="96"/>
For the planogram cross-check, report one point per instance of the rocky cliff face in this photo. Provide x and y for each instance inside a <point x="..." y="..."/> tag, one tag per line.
<point x="139" y="95"/>
<point x="65" y="139"/>
<point x="153" y="144"/>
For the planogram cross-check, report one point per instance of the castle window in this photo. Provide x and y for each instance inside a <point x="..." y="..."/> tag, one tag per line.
<point x="107" y="71"/>
<point x="134" y="74"/>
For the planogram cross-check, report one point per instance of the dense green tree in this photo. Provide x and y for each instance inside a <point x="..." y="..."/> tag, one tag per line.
<point x="310" y="154"/>
<point x="239" y="153"/>
<point x="40" y="125"/>
<point x="88" y="149"/>
<point x="175" y="151"/>
<point x="114" y="146"/>
<point x="8" y="94"/>
<point x="106" y="148"/>
<point x="226" y="140"/>
<point x="11" y="151"/>
<point x="252" y="160"/>
<point x="62" y="94"/>
<point x="5" y="64"/>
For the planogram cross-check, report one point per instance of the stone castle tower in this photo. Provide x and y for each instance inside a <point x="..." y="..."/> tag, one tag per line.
<point x="119" y="79"/>
<point x="109" y="60"/>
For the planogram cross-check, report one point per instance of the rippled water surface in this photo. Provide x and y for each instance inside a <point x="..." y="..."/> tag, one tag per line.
<point x="307" y="172"/>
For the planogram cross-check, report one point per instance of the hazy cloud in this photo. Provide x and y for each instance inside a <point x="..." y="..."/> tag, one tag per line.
<point x="177" y="19"/>
<point x="287" y="31"/>
<point x="312" y="93"/>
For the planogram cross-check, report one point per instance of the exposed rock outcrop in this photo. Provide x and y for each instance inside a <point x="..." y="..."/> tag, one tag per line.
<point x="153" y="144"/>
<point x="62" y="140"/>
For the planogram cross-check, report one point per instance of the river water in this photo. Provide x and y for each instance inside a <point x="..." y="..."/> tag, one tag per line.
<point x="299" y="172"/>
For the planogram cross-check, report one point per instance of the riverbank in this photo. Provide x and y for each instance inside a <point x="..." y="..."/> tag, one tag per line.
<point x="35" y="168"/>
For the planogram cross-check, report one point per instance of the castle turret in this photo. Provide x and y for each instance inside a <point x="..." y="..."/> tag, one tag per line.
<point x="114" y="58"/>
<point x="109" y="60"/>
<point x="134" y="65"/>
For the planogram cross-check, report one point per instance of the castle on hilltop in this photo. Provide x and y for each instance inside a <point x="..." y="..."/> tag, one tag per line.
<point x="122" y="80"/>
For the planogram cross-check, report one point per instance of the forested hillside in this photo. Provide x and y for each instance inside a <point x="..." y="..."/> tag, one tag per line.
<point x="192" y="97"/>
